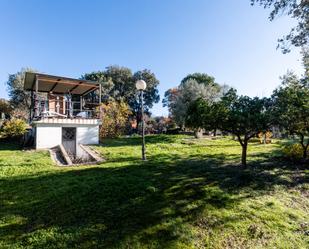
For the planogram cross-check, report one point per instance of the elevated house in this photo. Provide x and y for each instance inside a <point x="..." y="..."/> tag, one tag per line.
<point x="64" y="112"/>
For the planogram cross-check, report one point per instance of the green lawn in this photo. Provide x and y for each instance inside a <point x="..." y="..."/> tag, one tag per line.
<point x="189" y="194"/>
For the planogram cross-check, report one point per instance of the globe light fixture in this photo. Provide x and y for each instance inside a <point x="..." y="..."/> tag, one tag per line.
<point x="141" y="86"/>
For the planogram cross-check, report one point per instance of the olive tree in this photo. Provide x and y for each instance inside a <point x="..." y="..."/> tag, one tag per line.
<point x="191" y="88"/>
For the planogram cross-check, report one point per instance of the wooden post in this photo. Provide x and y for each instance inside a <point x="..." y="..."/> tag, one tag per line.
<point x="36" y="85"/>
<point x="63" y="105"/>
<point x="31" y="106"/>
<point x="36" y="101"/>
<point x="81" y="103"/>
<point x="100" y="99"/>
<point x="100" y="93"/>
<point x="57" y="105"/>
<point x="70" y="106"/>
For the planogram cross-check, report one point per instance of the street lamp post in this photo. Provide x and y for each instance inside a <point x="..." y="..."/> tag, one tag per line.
<point x="141" y="86"/>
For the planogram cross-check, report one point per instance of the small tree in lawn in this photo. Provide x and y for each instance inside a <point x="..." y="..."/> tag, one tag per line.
<point x="202" y="114"/>
<point x="245" y="117"/>
<point x="241" y="116"/>
<point x="291" y="108"/>
<point x="196" y="113"/>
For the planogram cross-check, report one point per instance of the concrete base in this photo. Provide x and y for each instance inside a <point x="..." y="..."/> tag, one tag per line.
<point x="49" y="134"/>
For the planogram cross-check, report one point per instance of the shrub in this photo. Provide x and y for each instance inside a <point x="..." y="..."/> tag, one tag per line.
<point x="293" y="151"/>
<point x="13" y="128"/>
<point x="115" y="117"/>
<point x="265" y="137"/>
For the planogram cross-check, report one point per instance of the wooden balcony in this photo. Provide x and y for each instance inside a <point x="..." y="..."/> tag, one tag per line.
<point x="56" y="99"/>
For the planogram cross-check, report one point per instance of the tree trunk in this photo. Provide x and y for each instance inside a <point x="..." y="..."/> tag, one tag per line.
<point x="305" y="150"/>
<point x="244" y="145"/>
<point x="304" y="146"/>
<point x="215" y="132"/>
<point x="244" y="154"/>
<point x="198" y="133"/>
<point x="305" y="153"/>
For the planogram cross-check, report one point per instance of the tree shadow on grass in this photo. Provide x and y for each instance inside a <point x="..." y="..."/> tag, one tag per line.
<point x="105" y="205"/>
<point x="136" y="141"/>
<point x="9" y="145"/>
<point x="109" y="207"/>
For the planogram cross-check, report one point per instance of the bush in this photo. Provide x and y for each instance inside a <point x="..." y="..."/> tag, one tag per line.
<point x="293" y="151"/>
<point x="265" y="137"/>
<point x="13" y="128"/>
<point x="115" y="118"/>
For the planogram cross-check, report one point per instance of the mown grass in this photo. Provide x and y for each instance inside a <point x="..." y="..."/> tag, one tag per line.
<point x="188" y="194"/>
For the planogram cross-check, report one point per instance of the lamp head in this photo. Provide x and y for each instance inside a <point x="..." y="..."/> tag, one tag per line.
<point x="140" y="85"/>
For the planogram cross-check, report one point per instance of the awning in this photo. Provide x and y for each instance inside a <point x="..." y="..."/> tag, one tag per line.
<point x="58" y="84"/>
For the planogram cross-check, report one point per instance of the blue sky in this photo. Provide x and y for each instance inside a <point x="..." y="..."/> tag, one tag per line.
<point x="230" y="40"/>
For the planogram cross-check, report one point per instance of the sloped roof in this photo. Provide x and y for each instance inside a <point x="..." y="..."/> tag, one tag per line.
<point x="58" y="84"/>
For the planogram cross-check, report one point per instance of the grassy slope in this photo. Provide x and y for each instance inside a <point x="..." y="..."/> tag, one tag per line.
<point x="189" y="194"/>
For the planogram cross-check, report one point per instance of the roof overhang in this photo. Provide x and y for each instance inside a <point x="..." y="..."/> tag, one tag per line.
<point x="57" y="84"/>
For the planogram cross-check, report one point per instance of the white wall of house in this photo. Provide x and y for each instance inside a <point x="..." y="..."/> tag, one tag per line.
<point x="50" y="135"/>
<point x="86" y="135"/>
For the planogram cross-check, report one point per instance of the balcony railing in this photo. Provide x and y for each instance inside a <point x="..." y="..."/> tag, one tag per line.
<point x="65" y="109"/>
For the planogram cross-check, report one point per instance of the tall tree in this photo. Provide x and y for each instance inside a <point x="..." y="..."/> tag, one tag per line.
<point x="297" y="9"/>
<point x="151" y="94"/>
<point x="201" y="78"/>
<point x="19" y="98"/>
<point x="187" y="93"/>
<point x="118" y="83"/>
<point x="191" y="88"/>
<point x="106" y="83"/>
<point x="123" y="85"/>
<point x="170" y="98"/>
<point x="291" y="108"/>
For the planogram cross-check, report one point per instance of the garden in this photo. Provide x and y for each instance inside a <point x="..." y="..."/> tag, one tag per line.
<point x="91" y="160"/>
<point x="190" y="193"/>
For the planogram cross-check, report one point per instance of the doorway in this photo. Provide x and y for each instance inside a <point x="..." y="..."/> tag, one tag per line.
<point x="69" y="140"/>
